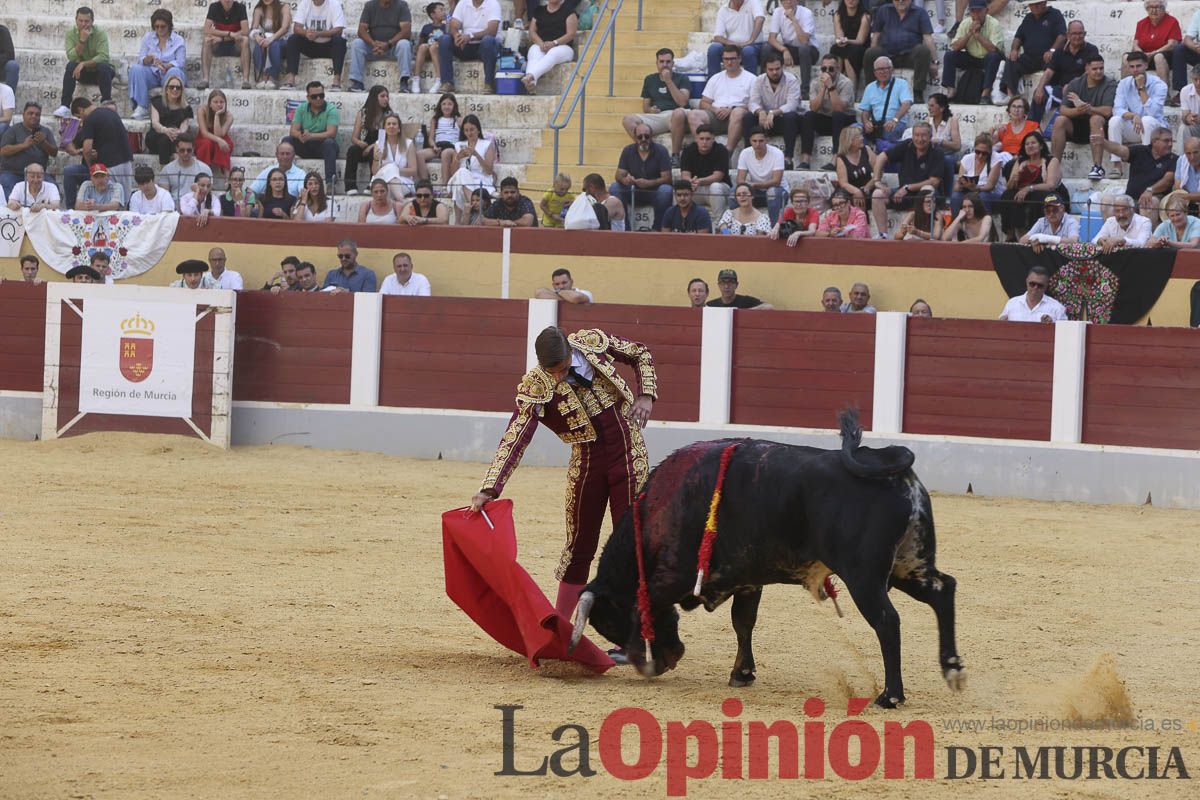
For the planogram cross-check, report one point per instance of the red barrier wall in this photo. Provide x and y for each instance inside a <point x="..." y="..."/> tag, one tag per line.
<point x="1140" y="387"/>
<point x="797" y="368"/>
<point x="293" y="348"/>
<point x="979" y="378"/>
<point x="438" y="352"/>
<point x="23" y="328"/>
<point x="673" y="336"/>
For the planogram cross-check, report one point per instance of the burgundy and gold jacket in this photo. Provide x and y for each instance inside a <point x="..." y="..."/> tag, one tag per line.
<point x="566" y="409"/>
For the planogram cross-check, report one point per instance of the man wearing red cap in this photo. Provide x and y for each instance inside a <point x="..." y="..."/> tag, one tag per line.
<point x="100" y="193"/>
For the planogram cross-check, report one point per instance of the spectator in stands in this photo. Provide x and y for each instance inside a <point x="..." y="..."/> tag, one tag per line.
<point x="162" y="55"/>
<point x="1180" y="229"/>
<point x="1125" y="228"/>
<point x="474" y="162"/>
<point x="481" y="200"/>
<point x="972" y="223"/>
<point x="1087" y="105"/>
<point x="314" y="130"/>
<point x="1185" y="55"/>
<point x="181" y="173"/>
<point x="306" y="278"/>
<point x="214" y="144"/>
<point x="727" y="283"/>
<point x="424" y="208"/>
<point x="920" y="308"/>
<point x="844" y="220"/>
<point x="885" y="103"/>
<point x="851" y="30"/>
<point x="923" y="222"/>
<point x="859" y="302"/>
<point x="100" y="193"/>
<point x="740" y="26"/>
<point x="855" y="166"/>
<point x="744" y="219"/>
<point x="705" y="163"/>
<point x="593" y="186"/>
<point x="1151" y="169"/>
<point x="906" y="37"/>
<point x="29" y="269"/>
<point x="276" y="201"/>
<point x="10" y="68"/>
<point x="34" y="193"/>
<point x="980" y="172"/>
<point x="384" y="32"/>
<point x="8" y="107"/>
<point x="403" y="281"/>
<point x="685" y="216"/>
<point x="1033" y="175"/>
<point x="831" y="300"/>
<point x="830" y="110"/>
<point x="723" y="95"/>
<point x="551" y="34"/>
<point x="87" y="60"/>
<point x="430" y="36"/>
<point x="225" y="278"/>
<point x="1066" y="65"/>
<point x="285" y="279"/>
<point x="644" y="175"/>
<point x="270" y="24"/>
<point x="101" y="263"/>
<point x="82" y="274"/>
<point x="31" y="142"/>
<point x="1189" y="111"/>
<point x="394" y="159"/>
<point x="1157" y="35"/>
<point x="150" y="198"/>
<point x="474" y="26"/>
<point x="237" y="200"/>
<point x="226" y="33"/>
<point x="556" y="201"/>
<point x="1041" y="32"/>
<point x="793" y="34"/>
<point x="978" y="45"/>
<point x="1137" y="108"/>
<point x="564" y="289"/>
<point x="1034" y="305"/>
<point x="313" y="205"/>
<point x="921" y="165"/>
<point x="443" y="131"/>
<point x="103" y="139"/>
<point x="761" y="165"/>
<point x="194" y="274"/>
<point x="512" y="210"/>
<point x="697" y="292"/>
<point x="774" y="106"/>
<point x="1187" y="171"/>
<point x="1011" y="134"/>
<point x="367" y="123"/>
<point x="317" y="33"/>
<point x="382" y="208"/>
<point x="199" y="202"/>
<point x="350" y="276"/>
<point x="797" y="220"/>
<point x="946" y="134"/>
<point x="285" y="162"/>
<point x="665" y="96"/>
<point x="170" y="118"/>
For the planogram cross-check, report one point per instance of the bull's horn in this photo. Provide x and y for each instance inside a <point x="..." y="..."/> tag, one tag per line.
<point x="582" y="609"/>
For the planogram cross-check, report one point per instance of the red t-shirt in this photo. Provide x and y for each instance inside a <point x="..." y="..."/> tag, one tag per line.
<point x="1150" y="38"/>
<point x="812" y="218"/>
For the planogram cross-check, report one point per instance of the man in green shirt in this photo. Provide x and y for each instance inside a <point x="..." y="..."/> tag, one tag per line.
<point x="665" y="97"/>
<point x="314" y="131"/>
<point x="87" y="60"/>
<point x="979" y="45"/>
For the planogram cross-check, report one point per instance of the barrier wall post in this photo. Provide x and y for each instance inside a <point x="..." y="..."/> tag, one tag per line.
<point x="1066" y="409"/>
<point x="716" y="365"/>
<point x="365" y="352"/>
<point x="891" y="337"/>
<point x="542" y="314"/>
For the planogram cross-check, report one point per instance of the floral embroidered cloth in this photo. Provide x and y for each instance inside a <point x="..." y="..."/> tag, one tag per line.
<point x="67" y="239"/>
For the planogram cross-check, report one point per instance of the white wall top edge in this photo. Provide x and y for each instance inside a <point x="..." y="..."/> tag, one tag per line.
<point x="58" y="290"/>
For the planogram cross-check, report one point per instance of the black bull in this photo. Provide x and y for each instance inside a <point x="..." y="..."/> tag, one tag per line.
<point x="788" y="514"/>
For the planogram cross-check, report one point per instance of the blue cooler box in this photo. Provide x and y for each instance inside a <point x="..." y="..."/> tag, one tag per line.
<point x="698" y="79"/>
<point x="509" y="83"/>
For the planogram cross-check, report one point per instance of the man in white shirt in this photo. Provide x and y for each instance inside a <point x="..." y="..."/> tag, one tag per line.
<point x="285" y="160"/>
<point x="793" y="34"/>
<point x="1125" y="227"/>
<point x="774" y="105"/>
<point x="224" y="278"/>
<point x="1034" y="306"/>
<point x="149" y="198"/>
<point x="34" y="192"/>
<point x="183" y="170"/>
<point x="404" y="281"/>
<point x="761" y="166"/>
<point x="8" y="106"/>
<point x="470" y="37"/>
<point x="316" y="31"/>
<point x="740" y="24"/>
<point x="724" y="94"/>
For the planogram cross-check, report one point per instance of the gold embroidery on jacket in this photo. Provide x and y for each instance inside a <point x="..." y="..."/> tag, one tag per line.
<point x="574" y="481"/>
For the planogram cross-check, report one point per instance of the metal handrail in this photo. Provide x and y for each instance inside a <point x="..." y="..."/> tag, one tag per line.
<point x="578" y="95"/>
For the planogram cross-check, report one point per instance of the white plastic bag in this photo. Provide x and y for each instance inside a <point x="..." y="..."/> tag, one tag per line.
<point x="581" y="216"/>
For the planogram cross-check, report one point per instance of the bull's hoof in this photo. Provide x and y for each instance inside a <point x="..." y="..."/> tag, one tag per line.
<point x="955" y="674"/>
<point x="739" y="679"/>
<point x="887" y="700"/>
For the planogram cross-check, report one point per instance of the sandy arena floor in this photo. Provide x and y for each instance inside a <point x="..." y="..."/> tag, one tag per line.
<point x="271" y="622"/>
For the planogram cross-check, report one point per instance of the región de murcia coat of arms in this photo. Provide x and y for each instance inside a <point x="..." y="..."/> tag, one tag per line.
<point x="137" y="348"/>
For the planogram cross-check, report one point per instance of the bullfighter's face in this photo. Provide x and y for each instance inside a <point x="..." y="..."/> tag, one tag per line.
<point x="559" y="371"/>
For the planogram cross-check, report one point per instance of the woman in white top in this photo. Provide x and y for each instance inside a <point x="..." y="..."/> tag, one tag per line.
<point x="981" y="171"/>
<point x="382" y="209"/>
<point x="268" y="35"/>
<point x="551" y="32"/>
<point x="745" y="219"/>
<point x="474" y="159"/>
<point x="313" y="205"/>
<point x="199" y="202"/>
<point x="394" y="159"/>
<point x="443" y="133"/>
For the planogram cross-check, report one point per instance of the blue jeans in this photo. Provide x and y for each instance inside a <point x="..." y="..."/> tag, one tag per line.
<point x="142" y="79"/>
<point x="486" y="50"/>
<point x="955" y="60"/>
<point x="360" y="54"/>
<point x="660" y="197"/>
<point x="272" y="52"/>
<point x="774" y="197"/>
<point x="73" y="176"/>
<point x="749" y="58"/>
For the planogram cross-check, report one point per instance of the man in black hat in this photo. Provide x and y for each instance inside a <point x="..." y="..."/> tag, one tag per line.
<point x="194" y="272"/>
<point x="82" y="274"/>
<point x="727" y="282"/>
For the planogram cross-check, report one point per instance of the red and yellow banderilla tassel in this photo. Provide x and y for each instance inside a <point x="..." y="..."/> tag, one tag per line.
<point x="710" y="526"/>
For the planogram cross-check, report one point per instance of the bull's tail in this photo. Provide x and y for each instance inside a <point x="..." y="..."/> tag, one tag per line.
<point x="867" y="462"/>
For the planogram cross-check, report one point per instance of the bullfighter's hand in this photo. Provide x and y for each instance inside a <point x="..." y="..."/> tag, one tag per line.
<point x="641" y="410"/>
<point x="479" y="499"/>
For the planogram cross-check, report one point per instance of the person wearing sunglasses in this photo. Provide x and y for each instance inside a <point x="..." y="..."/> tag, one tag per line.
<point x="980" y="171"/>
<point x="1034" y="305"/>
<point x="314" y="130"/>
<point x="423" y="208"/>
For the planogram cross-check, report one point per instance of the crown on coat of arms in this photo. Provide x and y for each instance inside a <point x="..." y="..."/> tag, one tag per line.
<point x="137" y="325"/>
